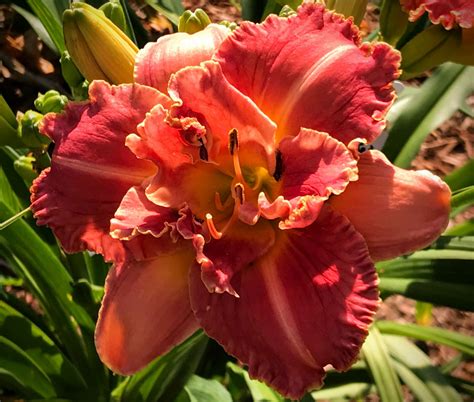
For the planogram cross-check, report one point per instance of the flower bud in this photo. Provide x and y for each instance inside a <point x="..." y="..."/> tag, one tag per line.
<point x="192" y="22"/>
<point x="287" y="11"/>
<point x="114" y="12"/>
<point x="51" y="101"/>
<point x="69" y="71"/>
<point x="393" y="21"/>
<point x="25" y="167"/>
<point x="430" y="48"/>
<point x="348" y="8"/>
<point x="29" y="132"/>
<point x="231" y="25"/>
<point x="99" y="49"/>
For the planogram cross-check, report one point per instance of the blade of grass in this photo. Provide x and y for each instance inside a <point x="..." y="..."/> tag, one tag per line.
<point x="376" y="356"/>
<point x="455" y="340"/>
<point x="440" y="96"/>
<point x="408" y="354"/>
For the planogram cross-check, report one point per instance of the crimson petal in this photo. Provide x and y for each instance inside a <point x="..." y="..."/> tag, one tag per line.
<point x="91" y="168"/>
<point x="312" y="71"/>
<point x="306" y="303"/>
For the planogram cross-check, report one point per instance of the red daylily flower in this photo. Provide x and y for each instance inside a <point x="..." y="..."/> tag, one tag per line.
<point x="449" y="13"/>
<point x="242" y="203"/>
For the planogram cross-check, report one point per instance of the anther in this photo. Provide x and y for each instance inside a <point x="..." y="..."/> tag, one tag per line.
<point x="233" y="140"/>
<point x="212" y="228"/>
<point x="239" y="193"/>
<point x="364" y="147"/>
<point x="278" y="165"/>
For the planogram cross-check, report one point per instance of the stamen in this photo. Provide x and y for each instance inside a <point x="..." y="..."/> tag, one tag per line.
<point x="239" y="193"/>
<point x="212" y="228"/>
<point x="278" y="165"/>
<point x="233" y="140"/>
<point x="234" y="151"/>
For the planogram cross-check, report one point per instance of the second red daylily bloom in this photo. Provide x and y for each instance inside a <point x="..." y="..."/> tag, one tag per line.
<point x="243" y="203"/>
<point x="449" y="13"/>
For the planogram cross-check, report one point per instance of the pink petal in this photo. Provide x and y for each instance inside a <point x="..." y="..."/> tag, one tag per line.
<point x="137" y="215"/>
<point x="145" y="311"/>
<point x="312" y="71"/>
<point x="91" y="168"/>
<point x="157" y="61"/>
<point x="445" y="12"/>
<point x="303" y="305"/>
<point x="397" y="211"/>
<point x="314" y="166"/>
<point x="205" y="92"/>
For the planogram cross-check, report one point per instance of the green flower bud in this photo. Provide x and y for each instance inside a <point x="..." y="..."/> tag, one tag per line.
<point x="430" y="48"/>
<point x="29" y="132"/>
<point x="25" y="167"/>
<point x="393" y="21"/>
<point x="229" y="24"/>
<point x="287" y="11"/>
<point x="69" y="70"/>
<point x="192" y="22"/>
<point x="51" y="101"/>
<point x="114" y="12"/>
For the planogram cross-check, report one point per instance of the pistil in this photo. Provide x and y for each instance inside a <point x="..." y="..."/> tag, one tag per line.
<point x="238" y="193"/>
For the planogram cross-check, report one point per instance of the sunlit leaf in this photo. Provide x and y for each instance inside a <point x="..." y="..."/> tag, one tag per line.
<point x="439" y="97"/>
<point x="375" y="353"/>
<point x="412" y="357"/>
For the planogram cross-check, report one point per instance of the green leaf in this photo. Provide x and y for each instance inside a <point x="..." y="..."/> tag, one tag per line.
<point x="37" y="26"/>
<point x="163" y="379"/>
<point x="440" y="293"/>
<point x="413" y="358"/>
<point x="6" y="112"/>
<point x="170" y="9"/>
<point x="19" y="371"/>
<point x="51" y="17"/>
<point x="199" y="389"/>
<point x="462" y="198"/>
<point x="350" y="391"/>
<point x="376" y="356"/>
<point x="456" y="340"/>
<point x="260" y="392"/>
<point x="50" y="283"/>
<point x="443" y="274"/>
<point x="41" y="349"/>
<point x="461" y="177"/>
<point x="416" y="385"/>
<point x="439" y="97"/>
<point x="463" y="229"/>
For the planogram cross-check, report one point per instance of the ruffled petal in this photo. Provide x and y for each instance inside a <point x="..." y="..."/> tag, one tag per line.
<point x="137" y="215"/>
<point x="157" y="61"/>
<point x="313" y="166"/>
<point x="445" y="12"/>
<point x="205" y="92"/>
<point x="145" y="311"/>
<point x="397" y="211"/>
<point x="218" y="267"/>
<point x="312" y="71"/>
<point x="303" y="305"/>
<point x="91" y="168"/>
